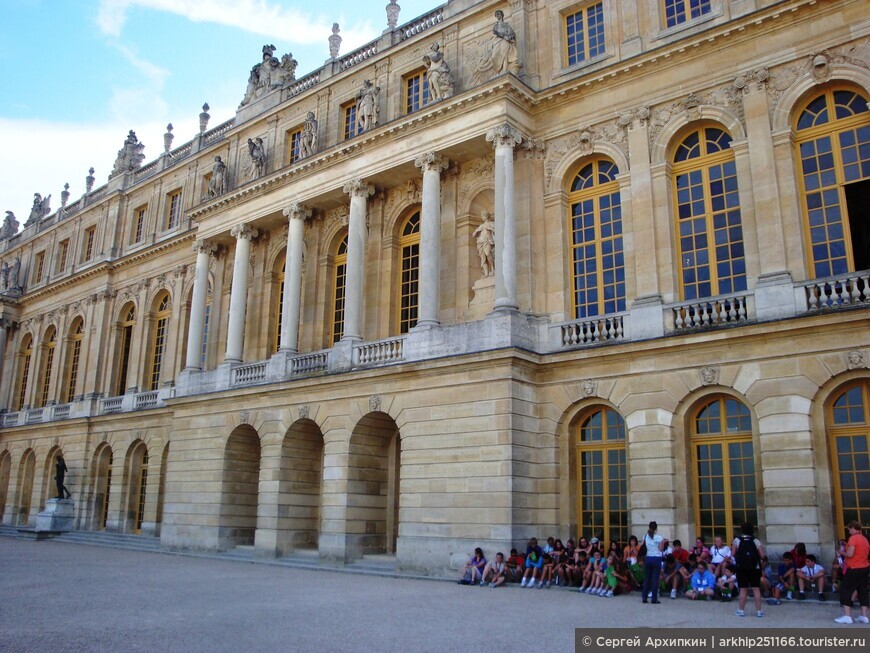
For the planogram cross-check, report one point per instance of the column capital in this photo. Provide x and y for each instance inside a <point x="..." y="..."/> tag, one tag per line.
<point x="6" y="323"/>
<point x="243" y="232"/>
<point x="504" y="135"/>
<point x="203" y="246"/>
<point x="431" y="162"/>
<point x="297" y="211"/>
<point x="359" y="188"/>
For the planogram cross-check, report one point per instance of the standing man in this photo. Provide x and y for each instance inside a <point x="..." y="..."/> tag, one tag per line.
<point x="855" y="578"/>
<point x="60" y="471"/>
<point x="654" y="544"/>
<point x="748" y="552"/>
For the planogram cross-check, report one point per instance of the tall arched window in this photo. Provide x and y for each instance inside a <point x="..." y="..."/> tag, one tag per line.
<point x="409" y="279"/>
<point x="278" y="305"/>
<point x="102" y="484"/>
<point x="138" y="484"/>
<point x="724" y="463"/>
<point x="77" y="333"/>
<point x="709" y="228"/>
<point x="598" y="262"/>
<point x="339" y="269"/>
<point x="602" y="501"/>
<point x="128" y="321"/>
<point x="833" y="147"/>
<point x="849" y="444"/>
<point x="158" y="338"/>
<point x="26" y="474"/>
<point x="26" y="354"/>
<point x="47" y="364"/>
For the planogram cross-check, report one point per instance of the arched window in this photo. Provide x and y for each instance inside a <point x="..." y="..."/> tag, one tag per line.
<point x="602" y="501"/>
<point x="47" y="365"/>
<point x="138" y="487"/>
<point x="339" y="268"/>
<point x="26" y="474"/>
<point x="598" y="262"/>
<point x="128" y="321"/>
<point x="26" y="356"/>
<point x="75" y="350"/>
<point x="158" y="338"/>
<point x="724" y="463"/>
<point x="709" y="229"/>
<point x="103" y="485"/>
<point x="278" y="305"/>
<point x="409" y="279"/>
<point x="849" y="443"/>
<point x="833" y="147"/>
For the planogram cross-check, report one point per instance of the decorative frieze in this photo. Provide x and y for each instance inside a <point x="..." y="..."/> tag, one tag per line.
<point x="725" y="97"/>
<point x="709" y="375"/>
<point x="473" y="174"/>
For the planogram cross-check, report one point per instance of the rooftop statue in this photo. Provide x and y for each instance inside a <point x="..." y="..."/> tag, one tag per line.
<point x="437" y="74"/>
<point x="269" y="75"/>
<point x="10" y="226"/>
<point x="39" y="210"/>
<point x="367" y="109"/>
<point x="129" y="157"/>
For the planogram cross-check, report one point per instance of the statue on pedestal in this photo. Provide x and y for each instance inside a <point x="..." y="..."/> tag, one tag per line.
<point x="14" y="271"/>
<point x="257" y="154"/>
<point x="130" y="156"/>
<point x="217" y="185"/>
<point x="437" y="74"/>
<point x="308" y="140"/>
<point x="485" y="235"/>
<point x="59" y="473"/>
<point x="39" y="210"/>
<point x="10" y="226"/>
<point x="367" y="109"/>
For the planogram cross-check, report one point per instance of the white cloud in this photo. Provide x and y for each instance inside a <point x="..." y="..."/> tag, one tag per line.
<point x="144" y="101"/>
<point x="268" y="19"/>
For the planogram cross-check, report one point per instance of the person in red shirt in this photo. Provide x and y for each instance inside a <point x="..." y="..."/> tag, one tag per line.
<point x="680" y="554"/>
<point x="856" y="576"/>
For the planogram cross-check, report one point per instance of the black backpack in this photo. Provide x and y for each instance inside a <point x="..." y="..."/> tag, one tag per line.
<point x="747" y="554"/>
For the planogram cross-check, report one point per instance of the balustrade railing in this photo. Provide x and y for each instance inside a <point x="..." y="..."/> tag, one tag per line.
<point x="836" y="292"/>
<point x="303" y="84"/>
<point x="382" y="351"/>
<point x="111" y="405"/>
<point x="34" y="415"/>
<point x="358" y="56"/>
<point x="307" y="363"/>
<point x="181" y="151"/>
<point x="247" y="374"/>
<point x="218" y="132"/>
<point x="715" y="311"/>
<point x="145" y="400"/>
<point x="61" y="411"/>
<point x="422" y="23"/>
<point x="592" y="330"/>
<point x="10" y="419"/>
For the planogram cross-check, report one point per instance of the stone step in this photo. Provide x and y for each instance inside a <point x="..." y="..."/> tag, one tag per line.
<point x="114" y="540"/>
<point x="376" y="562"/>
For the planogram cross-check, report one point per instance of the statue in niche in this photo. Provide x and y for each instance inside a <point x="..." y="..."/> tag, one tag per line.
<point x="367" y="106"/>
<point x="308" y="140"/>
<point x="130" y="156"/>
<point x="500" y="54"/>
<point x="257" y="155"/>
<point x="217" y="185"/>
<point x="39" y="210"/>
<point x="4" y="277"/>
<point x="10" y="226"/>
<point x="437" y="74"/>
<point x="485" y="235"/>
<point x="14" y="271"/>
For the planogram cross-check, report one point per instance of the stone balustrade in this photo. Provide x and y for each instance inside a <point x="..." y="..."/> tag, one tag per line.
<point x="358" y="56"/>
<point x="715" y="311"/>
<point x="249" y="374"/>
<point x="833" y="292"/>
<point x="308" y="363"/>
<point x="422" y="23"/>
<point x="591" y="331"/>
<point x="378" y="352"/>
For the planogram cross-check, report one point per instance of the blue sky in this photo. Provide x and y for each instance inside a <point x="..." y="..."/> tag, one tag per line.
<point x="78" y="74"/>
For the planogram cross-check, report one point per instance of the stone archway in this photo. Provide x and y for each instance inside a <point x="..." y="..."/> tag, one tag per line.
<point x="26" y="472"/>
<point x="300" y="488"/>
<point x="373" y="475"/>
<point x="5" y="473"/>
<point x="240" y="488"/>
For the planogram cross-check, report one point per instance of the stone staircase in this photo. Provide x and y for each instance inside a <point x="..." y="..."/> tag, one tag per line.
<point x="114" y="540"/>
<point x="8" y="531"/>
<point x="376" y="564"/>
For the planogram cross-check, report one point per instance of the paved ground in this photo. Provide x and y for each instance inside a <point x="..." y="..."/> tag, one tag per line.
<point x="62" y="598"/>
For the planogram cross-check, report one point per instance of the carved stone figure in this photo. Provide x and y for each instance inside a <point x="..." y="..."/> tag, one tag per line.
<point x="4" y="277"/>
<point x="500" y="53"/>
<point x="257" y="155"/>
<point x="10" y="226"/>
<point x="260" y="77"/>
<point x="367" y="109"/>
<point x="168" y="137"/>
<point x="64" y="196"/>
<point x="393" y="10"/>
<point x="485" y="235"/>
<point x="39" y="210"/>
<point x="14" y="271"/>
<point x="217" y="185"/>
<point x="129" y="157"/>
<point x="308" y="140"/>
<point x="204" y="117"/>
<point x="334" y="41"/>
<point x="437" y="74"/>
<point x="284" y="73"/>
<point x="89" y="181"/>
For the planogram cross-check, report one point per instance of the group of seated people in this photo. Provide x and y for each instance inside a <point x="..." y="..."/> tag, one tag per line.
<point x="701" y="572"/>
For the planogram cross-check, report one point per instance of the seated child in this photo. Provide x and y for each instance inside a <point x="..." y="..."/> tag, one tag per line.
<point x="681" y="554"/>
<point x="702" y="583"/>
<point x="473" y="571"/>
<point x="720" y="554"/>
<point x="688" y="569"/>
<point x="727" y="582"/>
<point x="534" y="568"/>
<point x="671" y="577"/>
<point x="495" y="572"/>
<point x="637" y="573"/>
<point x="837" y="566"/>
<point x="615" y="577"/>
<point x="766" y="580"/>
<point x="547" y="571"/>
<point x="630" y="553"/>
<point x="811" y="573"/>
<point x="786" y="578"/>
<point x="700" y="550"/>
<point x="594" y="574"/>
<point x="515" y="565"/>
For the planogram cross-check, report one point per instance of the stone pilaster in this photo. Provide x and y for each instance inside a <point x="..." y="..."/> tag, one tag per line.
<point x="359" y="192"/>
<point x="291" y="305"/>
<point x="196" y="331"/>
<point x="243" y="234"/>
<point x="430" y="239"/>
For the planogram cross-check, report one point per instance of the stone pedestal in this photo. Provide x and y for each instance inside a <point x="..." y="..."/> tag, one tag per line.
<point x="58" y="516"/>
<point x="484" y="294"/>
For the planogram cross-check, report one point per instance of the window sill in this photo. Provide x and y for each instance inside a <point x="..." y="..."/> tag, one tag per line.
<point x="689" y="25"/>
<point x="583" y="65"/>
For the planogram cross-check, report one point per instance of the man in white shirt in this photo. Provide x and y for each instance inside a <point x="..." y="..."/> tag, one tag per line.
<point x="811" y="572"/>
<point x="719" y="555"/>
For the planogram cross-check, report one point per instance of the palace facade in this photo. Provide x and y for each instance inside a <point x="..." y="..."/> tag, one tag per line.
<point x="320" y="341"/>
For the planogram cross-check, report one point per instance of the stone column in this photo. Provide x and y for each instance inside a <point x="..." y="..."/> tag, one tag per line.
<point x="359" y="192"/>
<point x="430" y="239"/>
<point x="504" y="138"/>
<point x="204" y="251"/>
<point x="243" y="234"/>
<point x="297" y="214"/>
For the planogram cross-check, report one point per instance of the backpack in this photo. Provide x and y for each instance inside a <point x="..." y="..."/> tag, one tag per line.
<point x="747" y="554"/>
